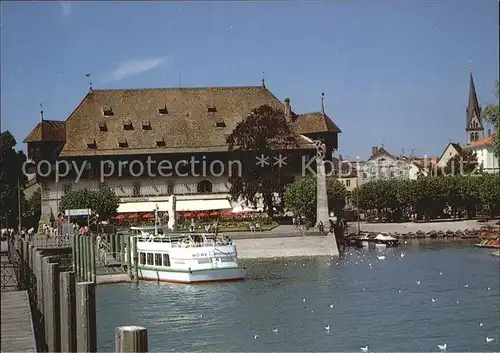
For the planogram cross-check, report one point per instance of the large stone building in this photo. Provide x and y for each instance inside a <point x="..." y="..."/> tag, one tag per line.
<point x="137" y="127"/>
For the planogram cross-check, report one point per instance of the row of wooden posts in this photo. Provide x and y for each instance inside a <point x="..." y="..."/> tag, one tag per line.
<point x="85" y="252"/>
<point x="61" y="282"/>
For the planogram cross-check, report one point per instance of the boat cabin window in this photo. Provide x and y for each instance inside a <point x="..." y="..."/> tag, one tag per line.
<point x="158" y="260"/>
<point x="166" y="260"/>
<point x="197" y="238"/>
<point x="149" y="258"/>
<point x="142" y="258"/>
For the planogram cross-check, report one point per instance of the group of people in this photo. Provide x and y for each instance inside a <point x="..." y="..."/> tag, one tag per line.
<point x="254" y="227"/>
<point x="25" y="233"/>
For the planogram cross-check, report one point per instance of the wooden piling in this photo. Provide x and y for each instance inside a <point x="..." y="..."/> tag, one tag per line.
<point x="81" y="257"/>
<point x="86" y="275"/>
<point x="136" y="260"/>
<point x="122" y="249"/>
<point x="86" y="330"/>
<point x="129" y="256"/>
<point x="31" y="255"/>
<point x="92" y="254"/>
<point x="37" y="261"/>
<point x="73" y="252"/>
<point x="112" y="245"/>
<point x="131" y="339"/>
<point x="67" y="293"/>
<point x="51" y="305"/>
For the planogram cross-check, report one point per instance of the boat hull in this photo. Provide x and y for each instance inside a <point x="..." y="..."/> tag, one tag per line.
<point x="197" y="276"/>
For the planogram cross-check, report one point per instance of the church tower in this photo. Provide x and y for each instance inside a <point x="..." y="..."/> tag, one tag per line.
<point x="474" y="123"/>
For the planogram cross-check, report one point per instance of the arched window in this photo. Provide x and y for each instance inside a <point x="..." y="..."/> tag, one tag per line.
<point x="472" y="136"/>
<point x="204" y="187"/>
<point x="476" y="136"/>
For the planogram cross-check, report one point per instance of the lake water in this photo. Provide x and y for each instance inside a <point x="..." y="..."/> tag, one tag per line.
<point x="386" y="304"/>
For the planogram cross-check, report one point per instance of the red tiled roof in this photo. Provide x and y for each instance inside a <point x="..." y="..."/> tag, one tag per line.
<point x="482" y="142"/>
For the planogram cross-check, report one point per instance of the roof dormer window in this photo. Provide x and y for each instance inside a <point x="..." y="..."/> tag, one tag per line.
<point x="103" y="126"/>
<point x="160" y="142"/>
<point x="212" y="109"/>
<point x="122" y="142"/>
<point x="163" y="111"/>
<point x="220" y="123"/>
<point x="127" y="125"/>
<point x="146" y="125"/>
<point x="108" y="111"/>
<point x="91" y="143"/>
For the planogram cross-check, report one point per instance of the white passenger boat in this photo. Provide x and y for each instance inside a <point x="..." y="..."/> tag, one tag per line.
<point x="186" y="258"/>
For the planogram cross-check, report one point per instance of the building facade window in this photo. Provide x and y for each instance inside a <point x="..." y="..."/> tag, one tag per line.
<point x="170" y="188"/>
<point x="204" y="187"/>
<point x="149" y="259"/>
<point x="136" y="189"/>
<point x="347" y="183"/>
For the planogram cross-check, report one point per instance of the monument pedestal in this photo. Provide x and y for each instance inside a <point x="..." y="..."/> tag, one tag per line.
<point x="322" y="214"/>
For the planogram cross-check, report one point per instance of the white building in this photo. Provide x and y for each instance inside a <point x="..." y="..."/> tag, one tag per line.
<point x="486" y="157"/>
<point x="383" y="165"/>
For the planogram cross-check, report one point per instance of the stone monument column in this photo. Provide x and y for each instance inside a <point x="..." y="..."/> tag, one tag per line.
<point x="322" y="213"/>
<point x="171" y="211"/>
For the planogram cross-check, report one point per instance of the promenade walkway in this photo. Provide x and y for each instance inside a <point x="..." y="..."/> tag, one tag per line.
<point x="16" y="324"/>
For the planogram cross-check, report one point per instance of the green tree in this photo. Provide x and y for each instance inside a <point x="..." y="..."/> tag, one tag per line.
<point x="12" y="179"/>
<point x="465" y="162"/>
<point x="33" y="209"/>
<point x="300" y="197"/>
<point x="491" y="113"/>
<point x="103" y="202"/>
<point x="489" y="192"/>
<point x="336" y="193"/>
<point x="266" y="132"/>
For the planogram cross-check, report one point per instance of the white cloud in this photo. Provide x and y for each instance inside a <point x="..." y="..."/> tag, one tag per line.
<point x="65" y="8"/>
<point x="134" y="67"/>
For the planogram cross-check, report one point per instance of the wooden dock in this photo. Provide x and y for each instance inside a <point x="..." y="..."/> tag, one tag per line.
<point x="16" y="324"/>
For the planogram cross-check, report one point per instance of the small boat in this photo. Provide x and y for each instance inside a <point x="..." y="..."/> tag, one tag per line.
<point x="386" y="240"/>
<point x="186" y="258"/>
<point x="380" y="240"/>
<point x="489" y="244"/>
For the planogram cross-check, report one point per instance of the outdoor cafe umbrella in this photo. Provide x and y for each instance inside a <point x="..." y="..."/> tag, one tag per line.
<point x="120" y="217"/>
<point x="148" y="215"/>
<point x="188" y="215"/>
<point x="202" y="215"/>
<point x="133" y="215"/>
<point x="214" y="213"/>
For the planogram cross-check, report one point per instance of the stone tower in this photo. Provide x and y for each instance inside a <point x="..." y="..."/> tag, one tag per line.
<point x="474" y="123"/>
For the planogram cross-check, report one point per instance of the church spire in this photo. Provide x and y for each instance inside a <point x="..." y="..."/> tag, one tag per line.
<point x="474" y="123"/>
<point x="473" y="108"/>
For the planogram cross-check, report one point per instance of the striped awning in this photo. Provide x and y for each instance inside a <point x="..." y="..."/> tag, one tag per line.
<point x="130" y="207"/>
<point x="202" y="205"/>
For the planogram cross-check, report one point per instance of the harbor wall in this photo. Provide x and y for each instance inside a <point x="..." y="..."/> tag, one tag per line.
<point x="286" y="246"/>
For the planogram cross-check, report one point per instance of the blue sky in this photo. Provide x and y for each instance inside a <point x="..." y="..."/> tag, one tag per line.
<point x="392" y="72"/>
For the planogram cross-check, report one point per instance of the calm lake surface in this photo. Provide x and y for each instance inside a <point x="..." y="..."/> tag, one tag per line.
<point x="364" y="300"/>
